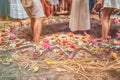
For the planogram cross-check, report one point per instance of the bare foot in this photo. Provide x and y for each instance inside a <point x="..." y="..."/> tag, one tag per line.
<point x="86" y="34"/>
<point x="66" y="11"/>
<point x="0" y="18"/>
<point x="50" y="15"/>
<point x="100" y="39"/>
<point x="62" y="11"/>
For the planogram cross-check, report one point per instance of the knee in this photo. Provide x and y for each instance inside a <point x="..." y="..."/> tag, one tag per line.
<point x="40" y="19"/>
<point x="105" y="17"/>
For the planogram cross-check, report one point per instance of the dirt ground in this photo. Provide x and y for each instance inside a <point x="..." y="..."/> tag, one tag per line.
<point x="23" y="63"/>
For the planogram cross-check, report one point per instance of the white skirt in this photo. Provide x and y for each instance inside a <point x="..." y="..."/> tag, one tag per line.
<point x="80" y="17"/>
<point x="112" y="4"/>
<point x="17" y="10"/>
<point x="54" y="2"/>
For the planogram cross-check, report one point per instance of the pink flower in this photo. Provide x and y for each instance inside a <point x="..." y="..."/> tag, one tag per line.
<point x="116" y="20"/>
<point x="23" y="40"/>
<point x="118" y="35"/>
<point x="93" y="41"/>
<point x="116" y="42"/>
<point x="109" y="37"/>
<point x="46" y="44"/>
<point x="70" y="56"/>
<point x="71" y="43"/>
<point x="36" y="52"/>
<point x="46" y="41"/>
<point x="12" y="36"/>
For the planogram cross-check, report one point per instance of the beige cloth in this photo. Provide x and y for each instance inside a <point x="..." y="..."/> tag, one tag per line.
<point x="80" y="18"/>
<point x="36" y="11"/>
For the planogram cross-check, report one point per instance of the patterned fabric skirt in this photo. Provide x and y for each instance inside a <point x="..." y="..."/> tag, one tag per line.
<point x="112" y="4"/>
<point x="54" y="2"/>
<point x="17" y="10"/>
<point x="4" y="8"/>
<point x="80" y="18"/>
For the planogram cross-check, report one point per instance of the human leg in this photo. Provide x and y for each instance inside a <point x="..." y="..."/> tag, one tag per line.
<point x="32" y="24"/>
<point x="105" y="19"/>
<point x="36" y="13"/>
<point x="56" y="7"/>
<point x="52" y="9"/>
<point x="37" y="29"/>
<point x="63" y="6"/>
<point x="109" y="20"/>
<point x="70" y="5"/>
<point x="0" y="18"/>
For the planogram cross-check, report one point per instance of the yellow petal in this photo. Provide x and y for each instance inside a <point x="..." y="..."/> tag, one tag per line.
<point x="49" y="62"/>
<point x="35" y="69"/>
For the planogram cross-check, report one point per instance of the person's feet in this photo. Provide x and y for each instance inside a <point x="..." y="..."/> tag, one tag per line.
<point x="104" y="38"/>
<point x="36" y="41"/>
<point x="85" y="33"/>
<point x="64" y="12"/>
<point x="100" y="39"/>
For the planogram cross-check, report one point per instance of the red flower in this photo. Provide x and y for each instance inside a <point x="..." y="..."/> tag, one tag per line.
<point x="107" y="51"/>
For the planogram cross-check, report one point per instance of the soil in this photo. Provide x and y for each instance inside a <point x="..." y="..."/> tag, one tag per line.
<point x="24" y="64"/>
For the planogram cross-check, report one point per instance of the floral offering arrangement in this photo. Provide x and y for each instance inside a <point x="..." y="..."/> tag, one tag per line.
<point x="72" y="52"/>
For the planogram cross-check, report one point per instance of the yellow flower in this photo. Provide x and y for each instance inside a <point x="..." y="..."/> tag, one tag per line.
<point x="35" y="69"/>
<point x="49" y="62"/>
<point x="114" y="56"/>
<point x="97" y="48"/>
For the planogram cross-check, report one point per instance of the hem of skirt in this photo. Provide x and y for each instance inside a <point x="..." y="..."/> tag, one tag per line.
<point x="110" y="7"/>
<point x="36" y="17"/>
<point x="80" y="30"/>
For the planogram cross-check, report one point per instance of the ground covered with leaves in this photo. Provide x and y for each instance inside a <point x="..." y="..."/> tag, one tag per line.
<point x="58" y="56"/>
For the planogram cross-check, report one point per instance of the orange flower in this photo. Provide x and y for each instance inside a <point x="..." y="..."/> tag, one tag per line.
<point x="71" y="34"/>
<point x="114" y="56"/>
<point x="2" y="40"/>
<point x="84" y="37"/>
<point x="60" y="52"/>
<point x="72" y="45"/>
<point x="64" y="42"/>
<point x="17" y="44"/>
<point x="56" y="35"/>
<point x="3" y="46"/>
<point x="59" y="42"/>
<point x="2" y="30"/>
<point x="3" y="34"/>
